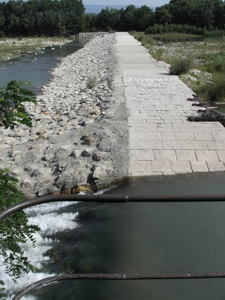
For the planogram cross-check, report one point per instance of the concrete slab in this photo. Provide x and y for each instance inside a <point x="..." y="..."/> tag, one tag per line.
<point x="162" y="141"/>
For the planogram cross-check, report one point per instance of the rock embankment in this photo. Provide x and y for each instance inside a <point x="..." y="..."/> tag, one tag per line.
<point x="80" y="132"/>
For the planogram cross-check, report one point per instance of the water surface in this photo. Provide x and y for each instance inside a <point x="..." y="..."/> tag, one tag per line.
<point x="145" y="238"/>
<point x="36" y="68"/>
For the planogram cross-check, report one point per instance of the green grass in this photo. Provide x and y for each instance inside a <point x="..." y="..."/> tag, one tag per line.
<point x="213" y="92"/>
<point x="91" y="82"/>
<point x="180" y="65"/>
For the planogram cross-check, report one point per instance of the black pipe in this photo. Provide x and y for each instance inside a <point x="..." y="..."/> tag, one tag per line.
<point x="48" y="280"/>
<point x="110" y="198"/>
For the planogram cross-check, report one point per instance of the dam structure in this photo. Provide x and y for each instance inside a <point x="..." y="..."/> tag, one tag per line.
<point x="162" y="140"/>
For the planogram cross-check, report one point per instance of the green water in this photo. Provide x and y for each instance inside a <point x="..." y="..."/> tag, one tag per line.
<point x="145" y="238"/>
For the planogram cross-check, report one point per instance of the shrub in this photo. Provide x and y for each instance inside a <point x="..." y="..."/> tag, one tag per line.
<point x="213" y="91"/>
<point x="180" y="65"/>
<point x="91" y="82"/>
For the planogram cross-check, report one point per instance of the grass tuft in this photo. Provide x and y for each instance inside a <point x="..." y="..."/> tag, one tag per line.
<point x="180" y="65"/>
<point x="214" y="91"/>
<point x="91" y="82"/>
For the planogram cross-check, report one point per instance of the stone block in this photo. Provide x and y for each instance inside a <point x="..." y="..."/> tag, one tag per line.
<point x="141" y="155"/>
<point x="181" y="167"/>
<point x="167" y="145"/>
<point x="165" y="155"/>
<point x="193" y="145"/>
<point x="215" y="145"/>
<point x="216" y="166"/>
<point x="140" y="166"/>
<point x="184" y="136"/>
<point x="161" y="166"/>
<point x="221" y="155"/>
<point x="199" y="166"/>
<point x="186" y="155"/>
<point x="202" y="136"/>
<point x="206" y="155"/>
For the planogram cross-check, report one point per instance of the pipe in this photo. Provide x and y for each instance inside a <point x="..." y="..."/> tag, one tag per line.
<point x="110" y="198"/>
<point x="48" y="280"/>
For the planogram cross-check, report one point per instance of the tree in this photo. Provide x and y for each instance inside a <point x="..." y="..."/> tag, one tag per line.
<point x="144" y="18"/>
<point x="12" y="109"/>
<point x="15" y="229"/>
<point x="162" y="15"/>
<point x="108" y="18"/>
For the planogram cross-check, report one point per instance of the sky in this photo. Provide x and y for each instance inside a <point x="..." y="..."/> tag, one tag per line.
<point x="151" y="3"/>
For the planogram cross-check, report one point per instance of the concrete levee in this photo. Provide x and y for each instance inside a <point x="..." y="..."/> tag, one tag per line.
<point x="162" y="140"/>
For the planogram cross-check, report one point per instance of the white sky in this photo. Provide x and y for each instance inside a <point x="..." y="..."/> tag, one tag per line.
<point x="127" y="2"/>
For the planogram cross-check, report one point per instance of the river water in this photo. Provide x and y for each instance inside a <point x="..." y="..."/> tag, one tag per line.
<point x="141" y="238"/>
<point x="131" y="238"/>
<point x="36" y="68"/>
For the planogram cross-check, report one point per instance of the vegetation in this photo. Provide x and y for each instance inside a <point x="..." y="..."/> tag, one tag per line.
<point x="175" y="28"/>
<point x="55" y="17"/>
<point x="14" y="230"/>
<point x="12" y="109"/>
<point x="214" y="91"/>
<point x="91" y="82"/>
<point x="41" y="17"/>
<point x="181" y="16"/>
<point x="180" y="65"/>
<point x="200" y="64"/>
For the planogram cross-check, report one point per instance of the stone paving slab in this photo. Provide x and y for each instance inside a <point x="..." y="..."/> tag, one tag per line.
<point x="162" y="141"/>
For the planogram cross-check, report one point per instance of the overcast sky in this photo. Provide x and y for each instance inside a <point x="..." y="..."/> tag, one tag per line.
<point x="127" y="2"/>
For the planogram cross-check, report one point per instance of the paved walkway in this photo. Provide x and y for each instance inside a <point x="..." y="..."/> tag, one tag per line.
<point x="162" y="141"/>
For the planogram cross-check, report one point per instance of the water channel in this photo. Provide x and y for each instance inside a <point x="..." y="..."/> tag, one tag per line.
<point x="132" y="238"/>
<point x="143" y="238"/>
<point x="36" y="68"/>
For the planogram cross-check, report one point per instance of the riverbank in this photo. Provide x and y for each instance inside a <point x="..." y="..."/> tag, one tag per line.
<point x="80" y="132"/>
<point x="15" y="47"/>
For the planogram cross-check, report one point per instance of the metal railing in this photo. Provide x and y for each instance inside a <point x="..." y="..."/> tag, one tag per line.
<point x="108" y="198"/>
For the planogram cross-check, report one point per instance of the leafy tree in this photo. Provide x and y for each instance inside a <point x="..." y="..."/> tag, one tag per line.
<point x="162" y="15"/>
<point x="143" y="18"/>
<point x="15" y="229"/>
<point x="12" y="109"/>
<point x="108" y="18"/>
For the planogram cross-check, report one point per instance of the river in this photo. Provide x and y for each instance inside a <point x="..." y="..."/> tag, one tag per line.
<point x="129" y="238"/>
<point x="36" y="68"/>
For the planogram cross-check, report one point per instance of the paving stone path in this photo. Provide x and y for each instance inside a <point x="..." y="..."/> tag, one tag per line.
<point x="162" y="141"/>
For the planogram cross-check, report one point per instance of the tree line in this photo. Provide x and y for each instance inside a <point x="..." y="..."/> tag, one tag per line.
<point x="195" y="14"/>
<point x="62" y="17"/>
<point x="41" y="17"/>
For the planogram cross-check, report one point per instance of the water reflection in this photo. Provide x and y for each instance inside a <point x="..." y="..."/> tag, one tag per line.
<point x="147" y="238"/>
<point x="36" y="68"/>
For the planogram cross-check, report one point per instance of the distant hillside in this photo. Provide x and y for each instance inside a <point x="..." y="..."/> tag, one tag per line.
<point x="96" y="9"/>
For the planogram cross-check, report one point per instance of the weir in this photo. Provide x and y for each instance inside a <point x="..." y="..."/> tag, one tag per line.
<point x="114" y="199"/>
<point x="162" y="140"/>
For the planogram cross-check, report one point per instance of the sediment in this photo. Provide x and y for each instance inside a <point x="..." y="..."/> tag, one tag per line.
<point x="80" y="129"/>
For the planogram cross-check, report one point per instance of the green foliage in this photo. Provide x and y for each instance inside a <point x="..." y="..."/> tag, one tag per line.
<point x="14" y="230"/>
<point x="174" y="28"/>
<point x="12" y="109"/>
<point x="131" y="18"/>
<point x="38" y="17"/>
<point x="180" y="65"/>
<point x="2" y="290"/>
<point x="214" y="91"/>
<point x="213" y="62"/>
<point x="157" y="54"/>
<point x="91" y="82"/>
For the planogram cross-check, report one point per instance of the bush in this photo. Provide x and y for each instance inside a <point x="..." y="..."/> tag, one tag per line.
<point x="180" y="65"/>
<point x="174" y="28"/>
<point x="213" y="91"/>
<point x="91" y="82"/>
